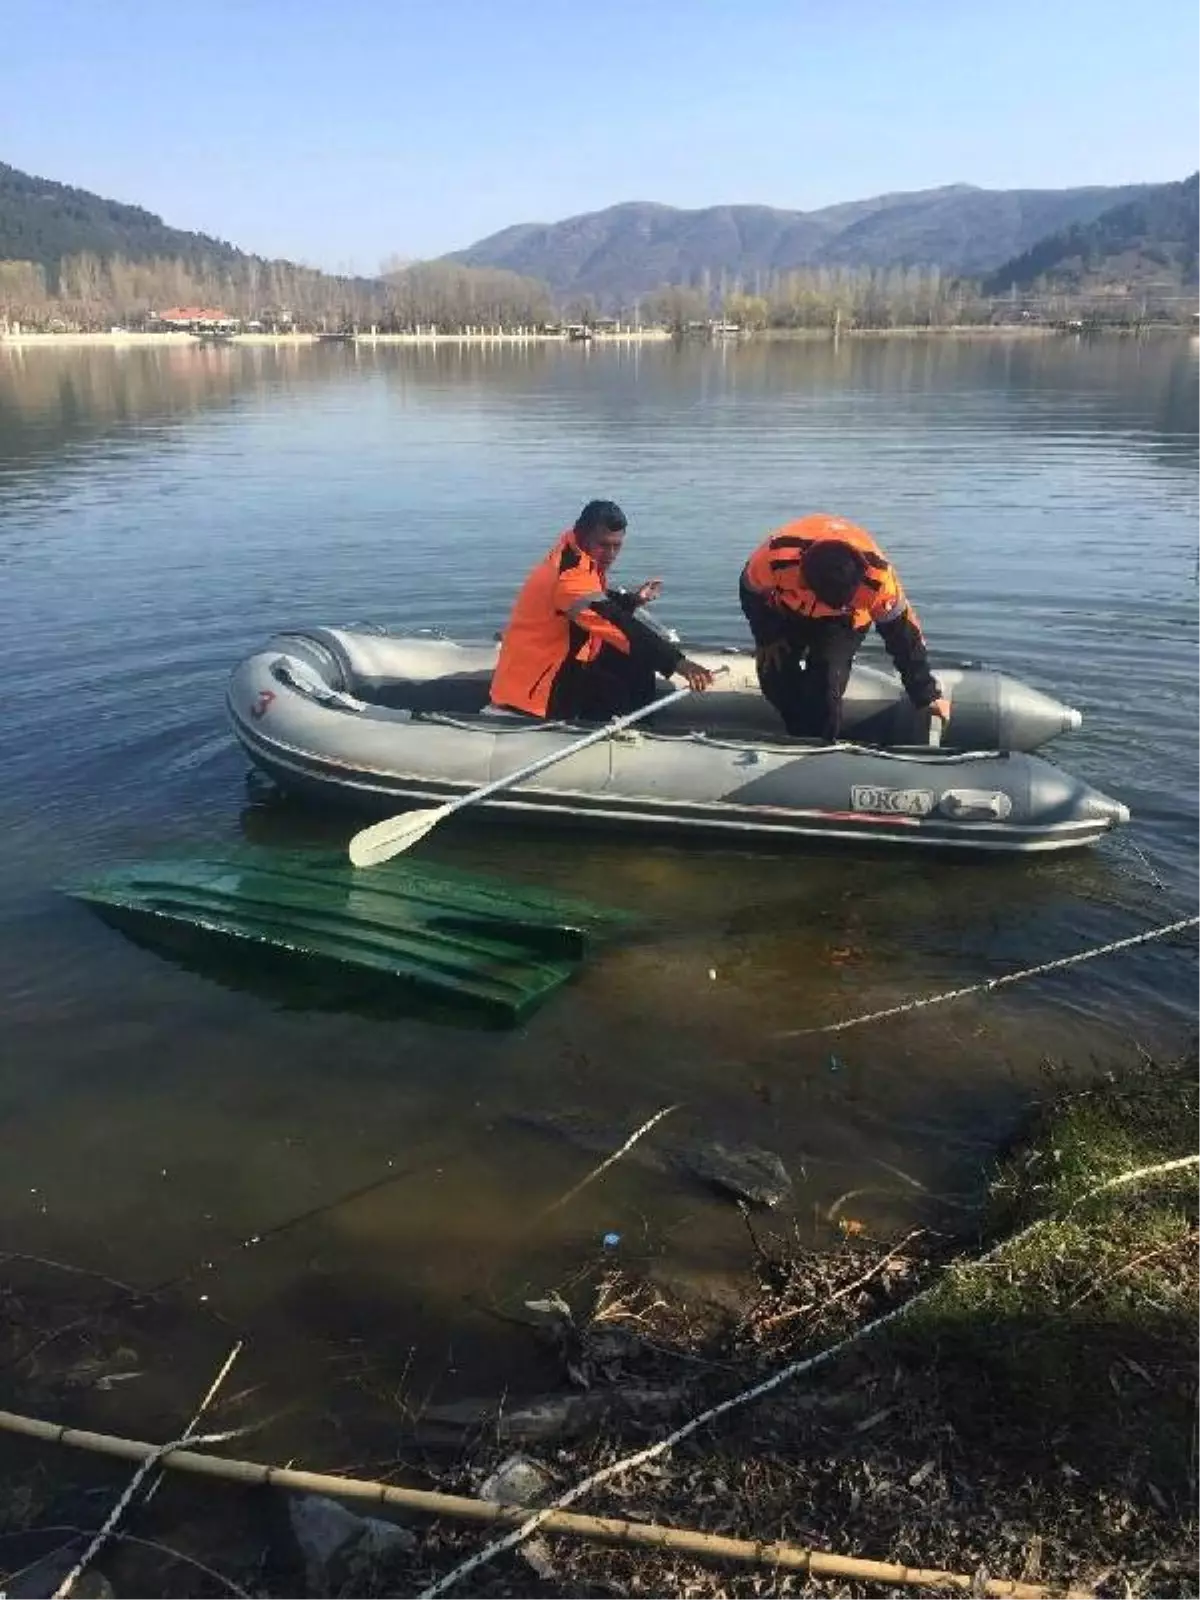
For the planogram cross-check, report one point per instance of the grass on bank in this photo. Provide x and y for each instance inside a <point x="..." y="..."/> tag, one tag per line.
<point x="1079" y="1331"/>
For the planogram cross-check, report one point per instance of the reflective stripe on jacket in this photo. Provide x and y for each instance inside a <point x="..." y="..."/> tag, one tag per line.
<point x="565" y="613"/>
<point x="774" y="573"/>
<point x="774" y="596"/>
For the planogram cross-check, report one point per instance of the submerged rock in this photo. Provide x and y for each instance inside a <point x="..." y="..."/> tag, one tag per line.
<point x="556" y="1416"/>
<point x="102" y="1372"/>
<point x="378" y="1540"/>
<point x="744" y="1171"/>
<point x="322" y="1528"/>
<point x="339" y="1548"/>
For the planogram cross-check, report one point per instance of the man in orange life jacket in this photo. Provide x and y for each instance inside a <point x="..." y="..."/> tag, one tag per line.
<point x="573" y="647"/>
<point x="810" y="593"/>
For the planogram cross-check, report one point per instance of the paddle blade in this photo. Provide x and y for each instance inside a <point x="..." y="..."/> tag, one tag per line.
<point x="393" y="836"/>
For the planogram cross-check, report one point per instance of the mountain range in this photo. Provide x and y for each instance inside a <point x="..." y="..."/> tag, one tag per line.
<point x="1151" y="238"/>
<point x="633" y="248"/>
<point x="1006" y="237"/>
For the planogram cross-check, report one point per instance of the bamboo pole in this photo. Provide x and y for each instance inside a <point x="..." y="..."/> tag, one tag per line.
<point x="605" y="1530"/>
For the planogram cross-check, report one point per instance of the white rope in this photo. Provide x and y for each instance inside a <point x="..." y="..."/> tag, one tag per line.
<point x="607" y="1162"/>
<point x="190" y="1430"/>
<point x="751" y="739"/>
<point x="995" y="983"/>
<point x="1138" y="1172"/>
<point x="841" y="747"/>
<point x="797" y="1369"/>
<point x="118" y="1511"/>
<point x="1151" y="875"/>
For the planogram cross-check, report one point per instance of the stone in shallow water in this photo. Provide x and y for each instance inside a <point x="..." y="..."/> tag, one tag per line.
<point x="556" y="1416"/>
<point x="339" y="1547"/>
<point x="757" y="1176"/>
<point x="517" y="1481"/>
<point x="321" y="1527"/>
<point x="744" y="1171"/>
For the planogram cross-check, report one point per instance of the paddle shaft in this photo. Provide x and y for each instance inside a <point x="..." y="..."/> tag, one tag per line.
<point x="397" y="834"/>
<point x="540" y="765"/>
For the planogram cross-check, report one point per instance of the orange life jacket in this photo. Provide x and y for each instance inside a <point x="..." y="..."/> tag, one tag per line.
<point x="774" y="573"/>
<point x="552" y="623"/>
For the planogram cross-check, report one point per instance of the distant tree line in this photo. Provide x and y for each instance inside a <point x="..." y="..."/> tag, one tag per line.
<point x="901" y="297"/>
<point x="454" y="297"/>
<point x="90" y="292"/>
<point x="822" y="297"/>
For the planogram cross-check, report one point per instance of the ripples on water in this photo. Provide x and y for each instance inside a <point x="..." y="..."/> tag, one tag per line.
<point x="161" y="510"/>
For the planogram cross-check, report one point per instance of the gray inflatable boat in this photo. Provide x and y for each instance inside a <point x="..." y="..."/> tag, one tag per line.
<point x="383" y="721"/>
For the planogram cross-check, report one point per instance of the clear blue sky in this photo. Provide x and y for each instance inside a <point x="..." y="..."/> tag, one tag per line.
<point x="338" y="134"/>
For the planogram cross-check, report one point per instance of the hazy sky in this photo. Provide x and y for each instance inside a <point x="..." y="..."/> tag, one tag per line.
<point x="338" y="134"/>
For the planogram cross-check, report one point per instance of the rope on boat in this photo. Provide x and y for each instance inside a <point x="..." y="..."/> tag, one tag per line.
<point x="996" y="983"/>
<point x="943" y="758"/>
<point x="840" y="747"/>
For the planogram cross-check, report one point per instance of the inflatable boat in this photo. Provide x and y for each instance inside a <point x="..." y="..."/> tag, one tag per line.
<point x="381" y="721"/>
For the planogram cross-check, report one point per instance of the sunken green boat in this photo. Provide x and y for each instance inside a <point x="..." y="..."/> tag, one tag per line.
<point x="482" y="947"/>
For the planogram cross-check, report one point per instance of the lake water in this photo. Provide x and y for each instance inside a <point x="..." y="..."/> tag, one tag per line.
<point x="163" y="510"/>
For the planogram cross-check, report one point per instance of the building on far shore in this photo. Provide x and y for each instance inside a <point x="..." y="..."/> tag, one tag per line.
<point x="195" y="319"/>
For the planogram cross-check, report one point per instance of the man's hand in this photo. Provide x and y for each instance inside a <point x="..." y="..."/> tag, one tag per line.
<point x="649" y="592"/>
<point x="696" y="676"/>
<point x="940" y="708"/>
<point x="770" y="657"/>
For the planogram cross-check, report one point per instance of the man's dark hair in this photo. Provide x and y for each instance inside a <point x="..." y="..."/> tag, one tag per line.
<point x="833" y="571"/>
<point x="600" y="516"/>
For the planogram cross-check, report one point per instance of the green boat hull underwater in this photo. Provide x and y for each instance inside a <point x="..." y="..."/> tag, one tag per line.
<point x="451" y="944"/>
<point x="381" y="722"/>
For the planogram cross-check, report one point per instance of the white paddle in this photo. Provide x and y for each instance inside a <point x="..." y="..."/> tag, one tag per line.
<point x="396" y="834"/>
